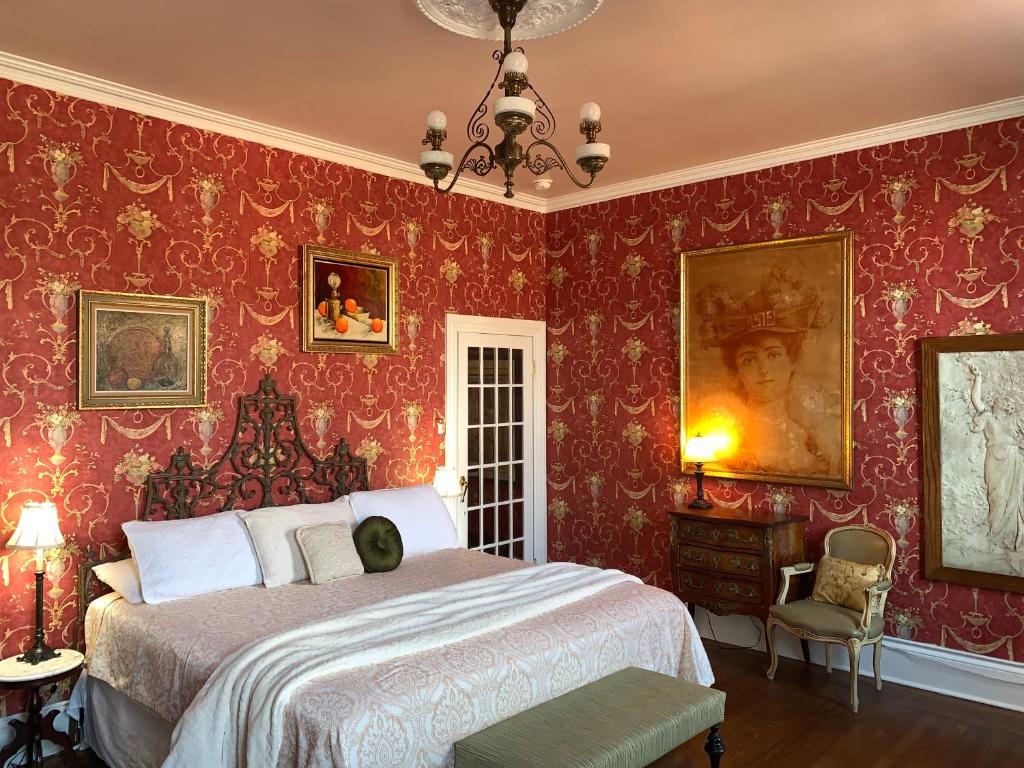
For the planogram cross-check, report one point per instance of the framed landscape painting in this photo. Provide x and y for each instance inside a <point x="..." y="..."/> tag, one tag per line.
<point x="349" y="301"/>
<point x="766" y="358"/>
<point x="139" y="351"/>
<point x="973" y="453"/>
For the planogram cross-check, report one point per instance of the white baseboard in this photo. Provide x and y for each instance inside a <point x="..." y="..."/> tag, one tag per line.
<point x="963" y="675"/>
<point x="7" y="732"/>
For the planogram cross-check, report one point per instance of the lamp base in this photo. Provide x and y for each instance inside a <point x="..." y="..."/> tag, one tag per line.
<point x="38" y="653"/>
<point x="700" y="504"/>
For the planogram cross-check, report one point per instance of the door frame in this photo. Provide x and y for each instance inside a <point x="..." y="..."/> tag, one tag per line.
<point x="537" y="331"/>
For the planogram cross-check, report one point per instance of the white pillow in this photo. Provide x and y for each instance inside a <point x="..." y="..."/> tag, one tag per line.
<point x="418" y="512"/>
<point x="122" y="576"/>
<point x="273" y="535"/>
<point x="182" y="558"/>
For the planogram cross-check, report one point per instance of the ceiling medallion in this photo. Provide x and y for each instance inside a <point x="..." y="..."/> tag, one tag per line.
<point x="540" y="18"/>
<point x="514" y="113"/>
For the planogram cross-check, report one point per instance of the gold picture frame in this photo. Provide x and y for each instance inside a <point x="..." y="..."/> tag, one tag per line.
<point x="349" y="301"/>
<point x="766" y="358"/>
<point x="141" y="351"/>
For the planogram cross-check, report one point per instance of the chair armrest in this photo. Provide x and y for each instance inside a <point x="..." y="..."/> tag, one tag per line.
<point x="789" y="571"/>
<point x="873" y="597"/>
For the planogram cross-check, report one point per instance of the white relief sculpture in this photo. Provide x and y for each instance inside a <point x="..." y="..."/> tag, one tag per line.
<point x="982" y="415"/>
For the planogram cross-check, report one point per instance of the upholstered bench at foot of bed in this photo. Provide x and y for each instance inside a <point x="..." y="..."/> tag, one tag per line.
<point x="626" y="720"/>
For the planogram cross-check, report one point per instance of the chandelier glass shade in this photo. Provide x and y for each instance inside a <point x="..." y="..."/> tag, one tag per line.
<point x="520" y="113"/>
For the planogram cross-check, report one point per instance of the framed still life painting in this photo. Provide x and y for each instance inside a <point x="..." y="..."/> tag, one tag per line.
<point x="973" y="452"/>
<point x="349" y="301"/>
<point x="766" y="358"/>
<point x="138" y="351"/>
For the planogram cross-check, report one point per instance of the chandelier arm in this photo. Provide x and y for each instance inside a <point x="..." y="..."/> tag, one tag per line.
<point x="476" y="128"/>
<point x="547" y="163"/>
<point x="481" y="166"/>
<point x="543" y="126"/>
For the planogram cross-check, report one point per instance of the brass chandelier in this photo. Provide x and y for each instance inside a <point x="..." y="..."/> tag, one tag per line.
<point x="514" y="113"/>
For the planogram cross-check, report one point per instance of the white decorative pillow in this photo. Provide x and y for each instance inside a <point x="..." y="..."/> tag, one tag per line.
<point x="273" y="535"/>
<point x="183" y="558"/>
<point x="122" y="576"/>
<point x="418" y="512"/>
<point x="329" y="552"/>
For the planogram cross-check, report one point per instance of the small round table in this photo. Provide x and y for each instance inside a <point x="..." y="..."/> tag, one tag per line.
<point x="29" y="735"/>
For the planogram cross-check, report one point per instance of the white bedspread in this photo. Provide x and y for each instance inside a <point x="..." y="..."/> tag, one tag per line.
<point x="238" y="718"/>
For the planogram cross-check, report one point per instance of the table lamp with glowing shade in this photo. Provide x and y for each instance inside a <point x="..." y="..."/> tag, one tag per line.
<point x="38" y="529"/>
<point x="699" y="450"/>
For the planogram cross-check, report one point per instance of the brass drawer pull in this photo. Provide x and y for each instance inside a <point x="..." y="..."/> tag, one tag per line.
<point x="753" y="566"/>
<point x="694" y="557"/>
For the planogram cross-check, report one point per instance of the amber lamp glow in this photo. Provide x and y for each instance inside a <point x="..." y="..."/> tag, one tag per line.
<point x="699" y="450"/>
<point x="38" y="530"/>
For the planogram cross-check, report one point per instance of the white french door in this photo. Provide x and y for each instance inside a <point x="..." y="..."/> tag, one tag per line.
<point x="496" y="434"/>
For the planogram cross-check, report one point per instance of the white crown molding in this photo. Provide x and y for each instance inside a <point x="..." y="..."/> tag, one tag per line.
<point x="911" y="129"/>
<point x="77" y="84"/>
<point x="97" y="89"/>
<point x="948" y="671"/>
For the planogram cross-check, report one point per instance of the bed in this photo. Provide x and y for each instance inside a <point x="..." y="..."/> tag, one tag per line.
<point x="147" y="664"/>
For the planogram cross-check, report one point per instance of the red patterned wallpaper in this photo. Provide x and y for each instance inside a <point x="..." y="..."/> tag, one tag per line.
<point x="100" y="198"/>
<point x="939" y="231"/>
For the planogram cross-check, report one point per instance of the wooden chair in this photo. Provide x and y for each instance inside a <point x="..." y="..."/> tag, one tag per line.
<point x="811" y="619"/>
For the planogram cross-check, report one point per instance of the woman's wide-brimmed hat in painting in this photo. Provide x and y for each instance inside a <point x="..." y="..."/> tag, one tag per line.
<point x="782" y="303"/>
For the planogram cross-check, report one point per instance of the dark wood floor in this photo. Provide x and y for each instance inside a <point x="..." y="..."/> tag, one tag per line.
<point x="802" y="720"/>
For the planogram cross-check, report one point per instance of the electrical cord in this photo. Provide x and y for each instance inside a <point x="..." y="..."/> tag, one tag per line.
<point x="728" y="646"/>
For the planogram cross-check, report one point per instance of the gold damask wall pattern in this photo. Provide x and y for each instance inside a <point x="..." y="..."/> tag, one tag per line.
<point x="939" y="231"/>
<point x="99" y="198"/>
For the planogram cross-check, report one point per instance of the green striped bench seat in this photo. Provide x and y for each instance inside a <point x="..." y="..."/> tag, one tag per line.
<point x="626" y="720"/>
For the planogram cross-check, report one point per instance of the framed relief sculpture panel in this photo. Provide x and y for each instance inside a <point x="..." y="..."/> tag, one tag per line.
<point x="138" y="351"/>
<point x="349" y="301"/>
<point x="766" y="358"/>
<point x="973" y="453"/>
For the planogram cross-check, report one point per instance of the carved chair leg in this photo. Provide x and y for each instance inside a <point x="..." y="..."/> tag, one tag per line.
<point x="876" y="655"/>
<point x="772" y="650"/>
<point x="714" y="746"/>
<point x="828" y="658"/>
<point x="854" y="649"/>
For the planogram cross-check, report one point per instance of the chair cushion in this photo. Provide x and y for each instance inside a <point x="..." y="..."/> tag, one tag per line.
<point x="379" y="544"/>
<point x="826" y="619"/>
<point x="626" y="720"/>
<point x="842" y="582"/>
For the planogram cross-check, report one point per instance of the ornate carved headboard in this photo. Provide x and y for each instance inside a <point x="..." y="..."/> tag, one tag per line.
<point x="267" y="465"/>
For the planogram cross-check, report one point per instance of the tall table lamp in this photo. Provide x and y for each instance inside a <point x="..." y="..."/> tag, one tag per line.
<point x="38" y="529"/>
<point x="699" y="450"/>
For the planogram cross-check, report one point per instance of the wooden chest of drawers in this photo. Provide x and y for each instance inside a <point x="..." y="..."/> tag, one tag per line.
<point x="727" y="561"/>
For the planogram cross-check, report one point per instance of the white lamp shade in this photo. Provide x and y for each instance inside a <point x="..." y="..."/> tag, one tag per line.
<point x="446" y="483"/>
<point x="699" y="449"/>
<point x="518" y="104"/>
<point x="37" y="527"/>
<point x="435" y="157"/>
<point x="516" y="62"/>
<point x="590" y="112"/>
<point x="593" y="149"/>
<point x="437" y="120"/>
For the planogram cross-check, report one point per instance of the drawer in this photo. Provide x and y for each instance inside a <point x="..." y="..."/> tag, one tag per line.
<point x="739" y="563"/>
<point x="738" y="536"/>
<point x="720" y="587"/>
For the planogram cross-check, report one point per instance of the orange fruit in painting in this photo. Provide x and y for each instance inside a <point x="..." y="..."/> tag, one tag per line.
<point x="376" y="325"/>
<point x="351" y="305"/>
<point x="322" y="308"/>
<point x="341" y="324"/>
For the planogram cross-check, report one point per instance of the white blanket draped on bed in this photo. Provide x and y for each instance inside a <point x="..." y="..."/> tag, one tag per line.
<point x="238" y="716"/>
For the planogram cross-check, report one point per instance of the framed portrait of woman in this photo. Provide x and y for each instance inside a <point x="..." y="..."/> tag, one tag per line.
<point x="766" y="358"/>
<point x="972" y="444"/>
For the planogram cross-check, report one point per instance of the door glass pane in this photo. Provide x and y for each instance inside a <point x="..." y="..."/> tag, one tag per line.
<point x="488" y="485"/>
<point x="473" y="497"/>
<point x="517" y="441"/>
<point x="517" y="550"/>
<point x="503" y="445"/>
<point x="473" y="365"/>
<point x="488" y="405"/>
<point x="473" y="403"/>
<point x="517" y="366"/>
<point x="516" y="480"/>
<point x="517" y="403"/>
<point x="503" y="366"/>
<point x="488" y="436"/>
<point x="473" y="529"/>
<point x="503" y="403"/>
<point x="517" y="520"/>
<point x="473" y="446"/>
<point x="489" y="354"/>
<point x="504" y="522"/>
<point x="490" y="513"/>
<point x="503" y="486"/>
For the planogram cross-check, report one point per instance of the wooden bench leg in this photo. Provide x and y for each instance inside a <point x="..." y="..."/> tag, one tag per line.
<point x="714" y="746"/>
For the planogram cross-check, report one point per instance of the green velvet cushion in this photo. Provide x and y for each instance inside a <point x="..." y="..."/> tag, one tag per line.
<point x="379" y="544"/>
<point x="626" y="720"/>
<point x="826" y="619"/>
